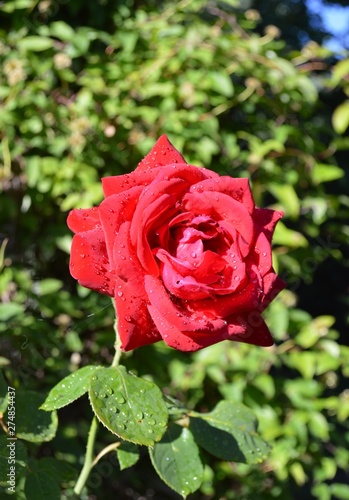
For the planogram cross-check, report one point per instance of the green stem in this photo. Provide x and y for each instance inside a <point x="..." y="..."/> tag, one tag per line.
<point x="89" y="462"/>
<point x="118" y="352"/>
<point x="88" y="458"/>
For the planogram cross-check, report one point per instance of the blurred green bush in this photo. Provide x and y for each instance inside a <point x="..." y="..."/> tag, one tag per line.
<point x="84" y="93"/>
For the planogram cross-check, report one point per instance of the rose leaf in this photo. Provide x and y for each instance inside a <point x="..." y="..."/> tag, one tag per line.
<point x="69" y="389"/>
<point x="176" y="459"/>
<point x="131" y="407"/>
<point x="229" y="432"/>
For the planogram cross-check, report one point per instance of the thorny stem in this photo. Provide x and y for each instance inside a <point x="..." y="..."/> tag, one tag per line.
<point x="89" y="462"/>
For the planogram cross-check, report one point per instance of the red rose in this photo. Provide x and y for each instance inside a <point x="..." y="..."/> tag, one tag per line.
<point x="185" y="254"/>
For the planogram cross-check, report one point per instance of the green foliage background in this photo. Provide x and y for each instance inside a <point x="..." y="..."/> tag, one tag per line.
<point x="85" y="91"/>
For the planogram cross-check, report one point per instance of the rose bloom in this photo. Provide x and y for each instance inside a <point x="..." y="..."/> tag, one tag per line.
<point x="184" y="252"/>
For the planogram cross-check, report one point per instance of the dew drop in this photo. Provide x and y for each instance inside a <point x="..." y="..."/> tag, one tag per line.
<point x="102" y="394"/>
<point x="139" y="415"/>
<point x="151" y="421"/>
<point x="120" y="294"/>
<point x="119" y="398"/>
<point x="121" y="426"/>
<point x="82" y="255"/>
<point x="108" y="390"/>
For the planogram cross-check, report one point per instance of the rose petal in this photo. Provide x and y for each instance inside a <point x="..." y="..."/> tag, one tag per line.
<point x="261" y="255"/>
<point x="83" y="219"/>
<point x="266" y="220"/>
<point x="163" y="153"/>
<point x="89" y="262"/>
<point x="115" y="210"/>
<point x="272" y="286"/>
<point x="135" y="325"/>
<point x="184" y="341"/>
<point x="160" y="300"/>
<point x="220" y="207"/>
<point x="141" y="226"/>
<point x="118" y="183"/>
<point x="257" y="332"/>
<point x="239" y="189"/>
<point x="224" y="306"/>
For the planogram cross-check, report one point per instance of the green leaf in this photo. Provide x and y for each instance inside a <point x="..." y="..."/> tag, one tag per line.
<point x="221" y="83"/>
<point x="41" y="486"/>
<point x="48" y="286"/>
<point x="340" y="491"/>
<point x="3" y="393"/>
<point x="69" y="389"/>
<point x="325" y="173"/>
<point x="176" y="459"/>
<point x="10" y="7"/>
<point x="8" y="311"/>
<point x="285" y="236"/>
<point x="33" y="424"/>
<point x="16" y="452"/>
<point x="35" y="43"/>
<point x="59" y="471"/>
<point x="128" y="454"/>
<point x="287" y="197"/>
<point x="340" y="117"/>
<point x="62" y="30"/>
<point x="229" y="432"/>
<point x="128" y="406"/>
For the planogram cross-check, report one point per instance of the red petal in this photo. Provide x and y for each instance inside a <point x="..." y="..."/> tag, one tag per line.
<point x="163" y="153"/>
<point x="266" y="220"/>
<point x="134" y="322"/>
<point x="220" y="206"/>
<point x="261" y="255"/>
<point x="119" y="183"/>
<point x="272" y="285"/>
<point x="83" y="219"/>
<point x="183" y="341"/>
<point x="226" y="305"/>
<point x="115" y="210"/>
<point x="239" y="189"/>
<point x="89" y="262"/>
<point x="257" y="332"/>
